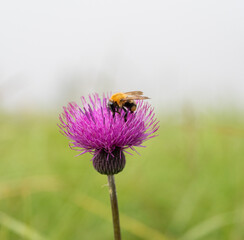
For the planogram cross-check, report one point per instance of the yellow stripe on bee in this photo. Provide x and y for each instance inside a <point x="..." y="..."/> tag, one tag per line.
<point x="133" y="109"/>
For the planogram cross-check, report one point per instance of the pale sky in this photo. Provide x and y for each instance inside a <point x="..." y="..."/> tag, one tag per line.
<point x="175" y="51"/>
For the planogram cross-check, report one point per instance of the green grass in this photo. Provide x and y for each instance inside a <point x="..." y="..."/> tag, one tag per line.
<point x="187" y="184"/>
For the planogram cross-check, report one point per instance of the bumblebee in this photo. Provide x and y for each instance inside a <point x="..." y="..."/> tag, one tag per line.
<point x="125" y="101"/>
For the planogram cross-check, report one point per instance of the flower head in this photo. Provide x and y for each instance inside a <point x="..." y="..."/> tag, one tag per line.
<point x="92" y="128"/>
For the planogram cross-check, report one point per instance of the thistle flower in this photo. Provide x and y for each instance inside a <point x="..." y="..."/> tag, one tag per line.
<point x="92" y="128"/>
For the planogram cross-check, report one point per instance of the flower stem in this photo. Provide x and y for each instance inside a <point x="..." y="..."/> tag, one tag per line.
<point x="114" y="206"/>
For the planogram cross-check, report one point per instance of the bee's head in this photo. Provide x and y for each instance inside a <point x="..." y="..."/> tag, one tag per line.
<point x="111" y="105"/>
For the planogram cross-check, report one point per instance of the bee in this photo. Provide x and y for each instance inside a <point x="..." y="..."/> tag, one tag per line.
<point x="125" y="101"/>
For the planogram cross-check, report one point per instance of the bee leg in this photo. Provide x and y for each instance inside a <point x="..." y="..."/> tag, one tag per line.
<point x="126" y="113"/>
<point x="115" y="110"/>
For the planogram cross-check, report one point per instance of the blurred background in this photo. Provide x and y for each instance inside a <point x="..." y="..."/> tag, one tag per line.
<point x="187" y="56"/>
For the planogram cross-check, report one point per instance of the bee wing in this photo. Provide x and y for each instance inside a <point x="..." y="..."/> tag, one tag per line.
<point x="134" y="93"/>
<point x="136" y="97"/>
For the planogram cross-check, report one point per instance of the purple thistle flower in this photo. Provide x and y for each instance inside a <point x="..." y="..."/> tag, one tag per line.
<point x="93" y="129"/>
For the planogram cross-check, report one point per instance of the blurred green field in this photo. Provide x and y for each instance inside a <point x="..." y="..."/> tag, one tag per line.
<point x="187" y="184"/>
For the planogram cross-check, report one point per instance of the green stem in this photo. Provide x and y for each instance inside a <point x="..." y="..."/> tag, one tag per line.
<point x="114" y="206"/>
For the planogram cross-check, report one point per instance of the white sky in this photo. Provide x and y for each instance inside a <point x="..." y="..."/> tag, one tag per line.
<point x="175" y="51"/>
